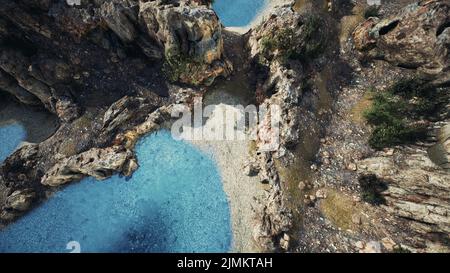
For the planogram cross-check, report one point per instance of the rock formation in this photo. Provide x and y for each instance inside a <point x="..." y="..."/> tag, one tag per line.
<point x="97" y="66"/>
<point x="418" y="37"/>
<point x="47" y="47"/>
<point x="109" y="71"/>
<point x="192" y="39"/>
<point x="279" y="48"/>
<point x="417" y="189"/>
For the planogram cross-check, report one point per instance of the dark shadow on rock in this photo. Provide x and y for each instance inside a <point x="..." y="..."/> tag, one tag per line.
<point x="38" y="122"/>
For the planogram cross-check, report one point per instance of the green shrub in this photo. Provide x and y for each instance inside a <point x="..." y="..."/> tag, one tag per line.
<point x="390" y="134"/>
<point x="394" y="113"/>
<point x="314" y="38"/>
<point x="283" y="41"/>
<point x="371" y="189"/>
<point x="179" y="65"/>
<point x="306" y="45"/>
<point x="385" y="109"/>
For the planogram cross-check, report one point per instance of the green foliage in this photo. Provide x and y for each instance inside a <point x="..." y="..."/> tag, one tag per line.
<point x="178" y="64"/>
<point x="313" y="37"/>
<point x="414" y="87"/>
<point x="371" y="189"/>
<point x="396" y="133"/>
<point x="394" y="112"/>
<point x="290" y="44"/>
<point x="283" y="41"/>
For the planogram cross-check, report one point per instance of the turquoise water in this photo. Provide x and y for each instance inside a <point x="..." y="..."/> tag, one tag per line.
<point x="10" y="137"/>
<point x="173" y="203"/>
<point x="238" y="13"/>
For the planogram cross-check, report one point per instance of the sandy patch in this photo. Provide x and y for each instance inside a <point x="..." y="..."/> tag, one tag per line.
<point x="231" y="157"/>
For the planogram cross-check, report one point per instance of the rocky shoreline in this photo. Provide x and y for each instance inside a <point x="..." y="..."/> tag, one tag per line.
<point x="112" y="71"/>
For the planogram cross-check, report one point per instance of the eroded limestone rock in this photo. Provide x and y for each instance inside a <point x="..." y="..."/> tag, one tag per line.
<point x="192" y="38"/>
<point x="418" y="37"/>
<point x="97" y="162"/>
<point x="20" y="200"/>
<point x="417" y="189"/>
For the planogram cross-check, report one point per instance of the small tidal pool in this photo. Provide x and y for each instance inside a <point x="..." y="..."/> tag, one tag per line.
<point x="173" y="203"/>
<point x="11" y="135"/>
<point x="238" y="13"/>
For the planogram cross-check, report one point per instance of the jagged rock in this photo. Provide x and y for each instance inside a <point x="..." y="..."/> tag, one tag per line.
<point x="192" y="38"/>
<point x="7" y="216"/>
<point x="9" y="84"/>
<point x="66" y="109"/>
<point x="360" y="244"/>
<point x="352" y="167"/>
<point x="273" y="220"/>
<point x="13" y="11"/>
<point x="321" y="194"/>
<point x="54" y="69"/>
<point x="287" y="34"/>
<point x="285" y="241"/>
<point x="417" y="37"/>
<point x="33" y="85"/>
<point x="440" y="152"/>
<point x="16" y="64"/>
<point x="251" y="168"/>
<point x="282" y="96"/>
<point x="98" y="163"/>
<point x="388" y="243"/>
<point x="267" y="173"/>
<point x="123" y="110"/>
<point x="20" y="200"/>
<point x="121" y="17"/>
<point x="417" y="189"/>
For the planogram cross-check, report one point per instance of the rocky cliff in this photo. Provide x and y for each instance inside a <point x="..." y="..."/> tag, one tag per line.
<point x="102" y="67"/>
<point x="110" y="70"/>
<point x="51" y="50"/>
<point x="346" y="186"/>
<point x="417" y="37"/>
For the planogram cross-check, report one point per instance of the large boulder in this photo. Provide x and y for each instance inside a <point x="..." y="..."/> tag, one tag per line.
<point x="20" y="200"/>
<point x="418" y="37"/>
<point x="288" y="35"/>
<point x="32" y="82"/>
<point x="192" y="38"/>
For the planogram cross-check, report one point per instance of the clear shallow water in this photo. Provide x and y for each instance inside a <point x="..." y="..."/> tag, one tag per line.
<point x="238" y="13"/>
<point x="10" y="137"/>
<point x="173" y="203"/>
